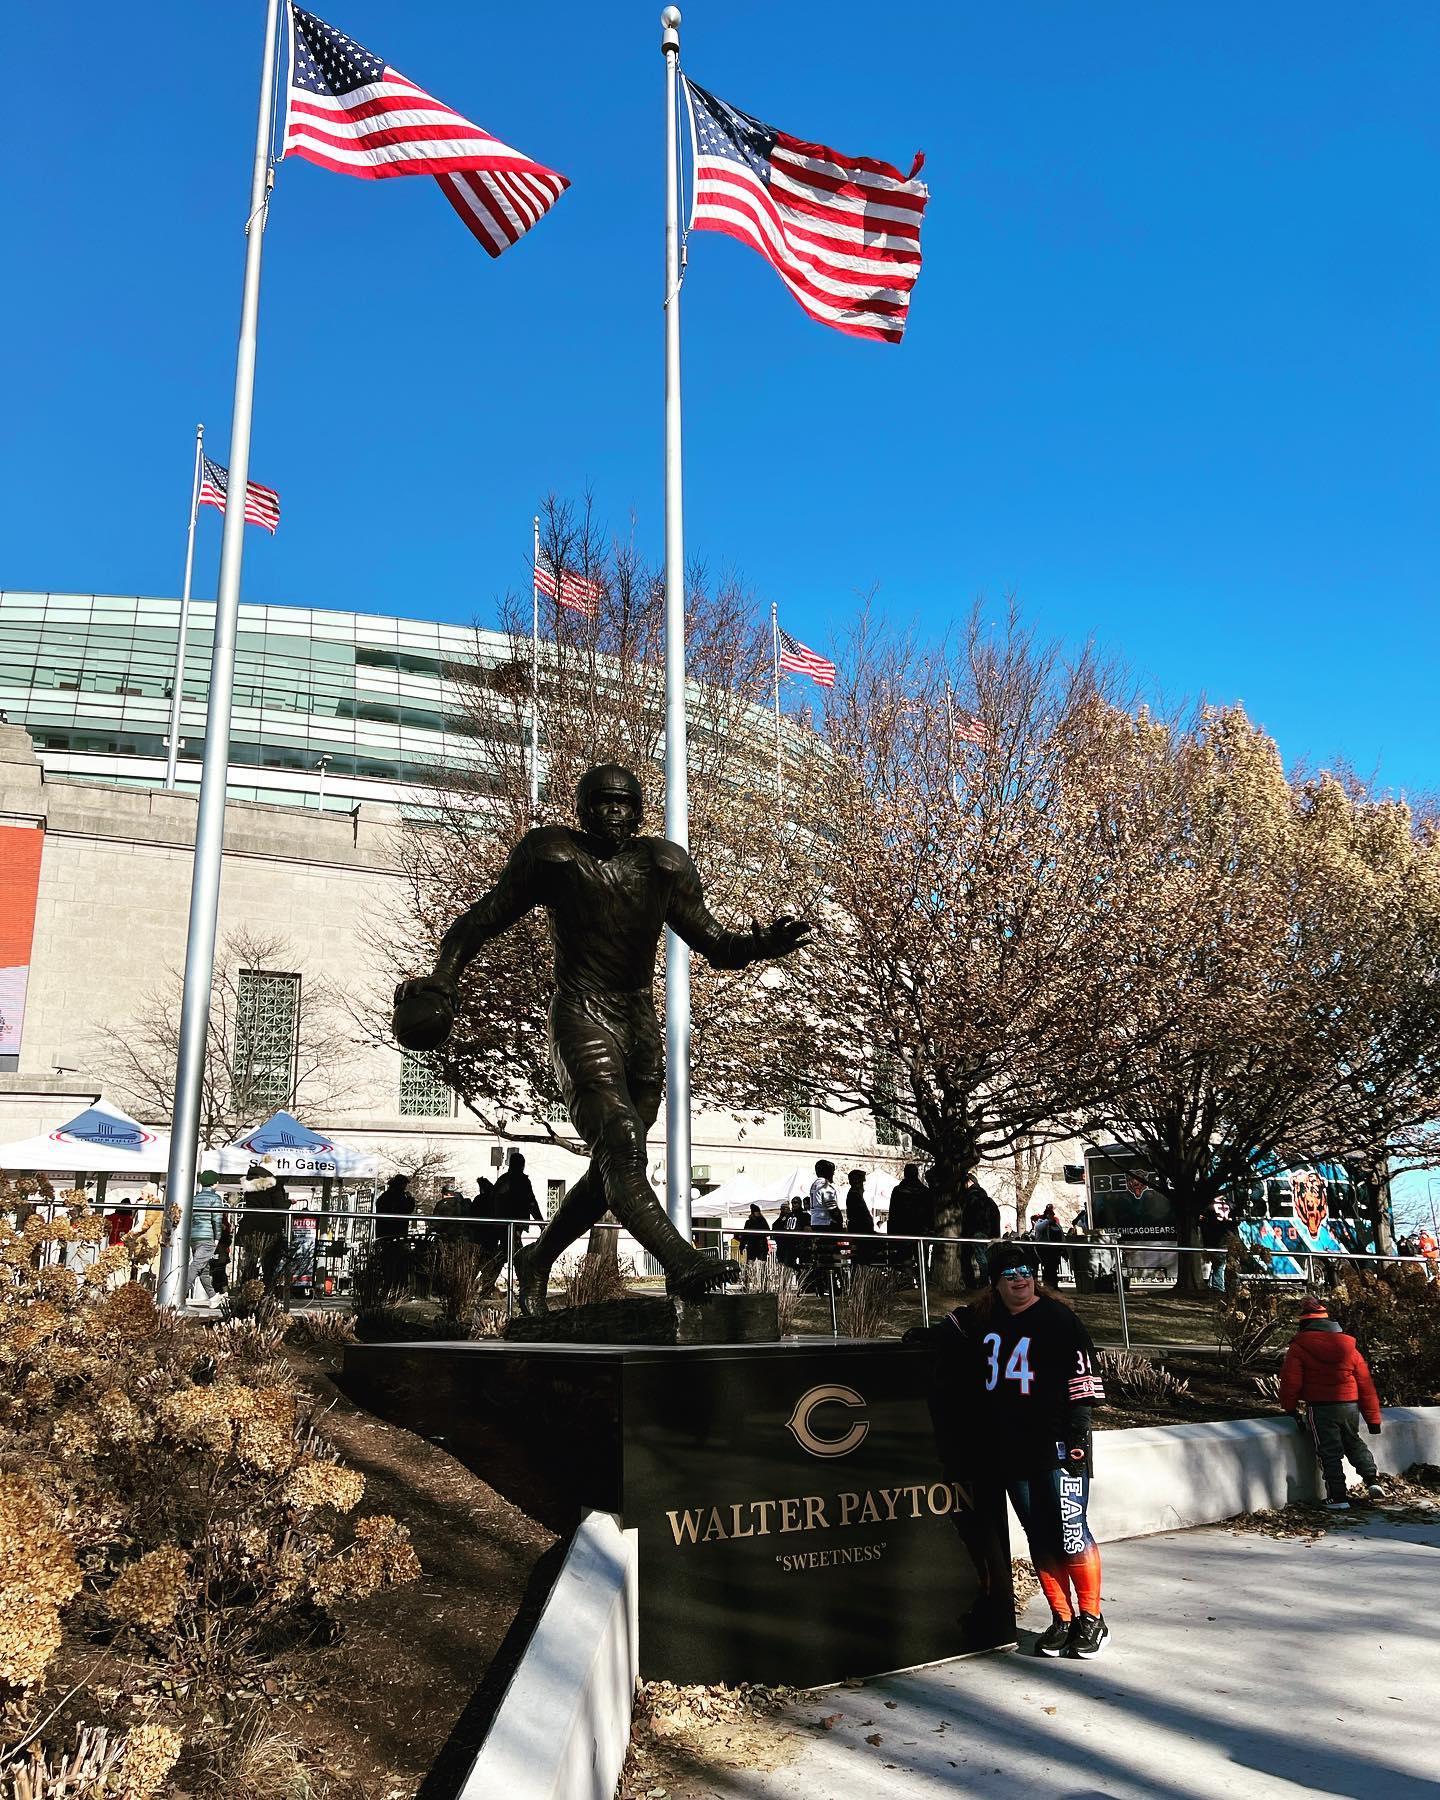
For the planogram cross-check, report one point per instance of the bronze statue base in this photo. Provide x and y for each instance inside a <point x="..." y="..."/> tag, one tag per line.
<point x="653" y="1319"/>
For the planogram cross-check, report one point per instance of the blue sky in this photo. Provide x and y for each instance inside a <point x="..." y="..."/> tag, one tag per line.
<point x="1170" y="376"/>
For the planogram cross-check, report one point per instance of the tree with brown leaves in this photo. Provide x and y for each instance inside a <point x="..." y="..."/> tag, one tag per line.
<point x="977" y="932"/>
<point x="1284" y="1000"/>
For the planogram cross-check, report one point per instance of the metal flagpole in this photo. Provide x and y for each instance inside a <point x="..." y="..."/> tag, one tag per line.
<point x="677" y="797"/>
<point x="210" y="824"/>
<point x="535" y="673"/>
<point x="775" y="646"/>
<point x="172" y="748"/>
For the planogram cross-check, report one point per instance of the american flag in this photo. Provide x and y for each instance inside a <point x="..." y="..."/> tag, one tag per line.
<point x="797" y="659"/>
<point x="577" y="592"/>
<point x="842" y="232"/>
<point x="262" y="504"/>
<point x="967" y="728"/>
<point x="349" y="111"/>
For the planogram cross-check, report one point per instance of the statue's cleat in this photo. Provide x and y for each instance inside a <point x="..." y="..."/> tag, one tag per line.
<point x="531" y="1280"/>
<point x="701" y="1276"/>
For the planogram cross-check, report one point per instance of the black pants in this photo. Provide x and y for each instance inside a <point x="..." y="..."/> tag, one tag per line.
<point x="1335" y="1431"/>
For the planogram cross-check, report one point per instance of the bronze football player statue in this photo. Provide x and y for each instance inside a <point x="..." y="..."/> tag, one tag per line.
<point x="608" y="893"/>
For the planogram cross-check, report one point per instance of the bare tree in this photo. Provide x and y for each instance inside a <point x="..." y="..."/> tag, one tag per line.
<point x="249" y="1070"/>
<point x="425" y="1163"/>
<point x="600" y="698"/>
<point x="977" y="929"/>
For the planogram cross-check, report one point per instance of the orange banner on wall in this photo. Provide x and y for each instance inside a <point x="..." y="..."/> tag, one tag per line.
<point x="20" y="850"/>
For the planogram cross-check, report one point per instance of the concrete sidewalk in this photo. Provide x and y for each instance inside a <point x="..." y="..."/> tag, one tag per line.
<point x="1240" y="1666"/>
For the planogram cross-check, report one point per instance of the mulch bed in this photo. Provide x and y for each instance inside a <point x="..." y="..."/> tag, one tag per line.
<point x="1215" y="1393"/>
<point x="405" y="1691"/>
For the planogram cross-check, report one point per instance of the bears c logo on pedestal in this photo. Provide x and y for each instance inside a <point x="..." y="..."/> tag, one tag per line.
<point x="800" y="1428"/>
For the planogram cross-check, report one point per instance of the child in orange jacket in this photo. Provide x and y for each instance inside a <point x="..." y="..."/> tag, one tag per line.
<point x="1324" y="1368"/>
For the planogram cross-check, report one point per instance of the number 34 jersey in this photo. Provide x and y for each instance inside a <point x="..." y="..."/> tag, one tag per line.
<point x="1027" y="1380"/>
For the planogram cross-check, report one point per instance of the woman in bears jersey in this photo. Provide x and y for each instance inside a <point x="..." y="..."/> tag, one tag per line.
<point x="1021" y="1367"/>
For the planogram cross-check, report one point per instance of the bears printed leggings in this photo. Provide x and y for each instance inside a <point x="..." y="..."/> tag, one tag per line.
<point x="1050" y="1505"/>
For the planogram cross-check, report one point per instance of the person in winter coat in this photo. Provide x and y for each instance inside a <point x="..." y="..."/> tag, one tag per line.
<point x="823" y="1202"/>
<point x="859" y="1221"/>
<point x="979" y="1218"/>
<point x="792" y="1219"/>
<point x="1216" y="1229"/>
<point x="912" y="1208"/>
<point x="1016" y="1381"/>
<point x="1048" y="1231"/>
<point x="1324" y="1368"/>
<point x="755" y="1236"/>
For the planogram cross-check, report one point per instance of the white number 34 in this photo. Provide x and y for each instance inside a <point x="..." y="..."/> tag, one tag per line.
<point x="1017" y="1368"/>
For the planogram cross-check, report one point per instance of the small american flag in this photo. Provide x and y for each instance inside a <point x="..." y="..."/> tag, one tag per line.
<point x="262" y="504"/>
<point x="576" y="592"/>
<point x="798" y="659"/>
<point x="966" y="728"/>
<point x="349" y="111"/>
<point x="842" y="232"/>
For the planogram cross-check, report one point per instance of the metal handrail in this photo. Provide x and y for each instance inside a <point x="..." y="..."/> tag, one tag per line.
<point x="238" y="1206"/>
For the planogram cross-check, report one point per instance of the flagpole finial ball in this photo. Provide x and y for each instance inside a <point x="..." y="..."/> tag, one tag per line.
<point x="670" y="18"/>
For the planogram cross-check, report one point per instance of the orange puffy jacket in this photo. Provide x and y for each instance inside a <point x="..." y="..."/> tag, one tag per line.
<point x="1323" y="1363"/>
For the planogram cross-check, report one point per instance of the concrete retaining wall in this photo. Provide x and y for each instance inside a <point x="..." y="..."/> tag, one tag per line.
<point x="563" y="1724"/>
<point x="1159" y="1478"/>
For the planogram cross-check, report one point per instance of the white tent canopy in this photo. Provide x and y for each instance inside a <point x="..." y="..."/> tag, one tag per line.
<point x="102" y="1140"/>
<point x="733" y="1197"/>
<point x="286" y="1147"/>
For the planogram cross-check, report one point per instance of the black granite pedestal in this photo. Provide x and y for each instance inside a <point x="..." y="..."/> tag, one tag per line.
<point x="794" y="1523"/>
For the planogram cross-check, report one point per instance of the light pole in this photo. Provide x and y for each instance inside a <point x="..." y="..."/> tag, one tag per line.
<point x="322" y="766"/>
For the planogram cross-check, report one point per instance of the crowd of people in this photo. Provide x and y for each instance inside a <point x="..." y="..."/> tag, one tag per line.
<point x="821" y="1231"/>
<point x="248" y="1241"/>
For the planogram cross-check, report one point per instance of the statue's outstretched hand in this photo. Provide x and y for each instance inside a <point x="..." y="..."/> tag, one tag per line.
<point x="781" y="936"/>
<point x="424" y="1011"/>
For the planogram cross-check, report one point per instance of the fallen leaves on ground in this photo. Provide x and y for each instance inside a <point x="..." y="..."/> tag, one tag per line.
<point x="679" y="1733"/>
<point x="1411" y="1498"/>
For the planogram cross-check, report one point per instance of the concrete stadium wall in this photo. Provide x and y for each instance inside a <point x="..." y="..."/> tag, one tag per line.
<point x="563" y="1724"/>
<point x="1161" y="1478"/>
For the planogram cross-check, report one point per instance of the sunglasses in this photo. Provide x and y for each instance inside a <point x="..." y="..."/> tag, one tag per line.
<point x="1022" y="1272"/>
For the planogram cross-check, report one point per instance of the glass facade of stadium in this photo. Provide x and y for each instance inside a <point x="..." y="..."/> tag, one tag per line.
<point x="90" y="677"/>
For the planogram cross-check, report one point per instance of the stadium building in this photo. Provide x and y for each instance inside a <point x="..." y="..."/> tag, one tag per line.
<point x="340" y="721"/>
<point x="330" y="708"/>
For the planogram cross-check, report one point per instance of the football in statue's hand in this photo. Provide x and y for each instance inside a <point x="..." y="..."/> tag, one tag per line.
<point x="424" y="1013"/>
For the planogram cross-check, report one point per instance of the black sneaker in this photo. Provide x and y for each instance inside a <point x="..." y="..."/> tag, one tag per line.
<point x="1053" y="1641"/>
<point x="1087" y="1635"/>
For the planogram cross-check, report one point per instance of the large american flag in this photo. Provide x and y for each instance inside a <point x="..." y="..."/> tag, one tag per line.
<point x="576" y="592"/>
<point x="262" y="504"/>
<point x="798" y="659"/>
<point x="349" y="111"/>
<point x="842" y="232"/>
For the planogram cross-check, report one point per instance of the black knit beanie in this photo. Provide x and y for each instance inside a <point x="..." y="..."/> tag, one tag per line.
<point x="1006" y="1254"/>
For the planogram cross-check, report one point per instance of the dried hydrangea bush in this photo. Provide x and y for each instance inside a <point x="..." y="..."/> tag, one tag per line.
<point x="162" y="1490"/>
